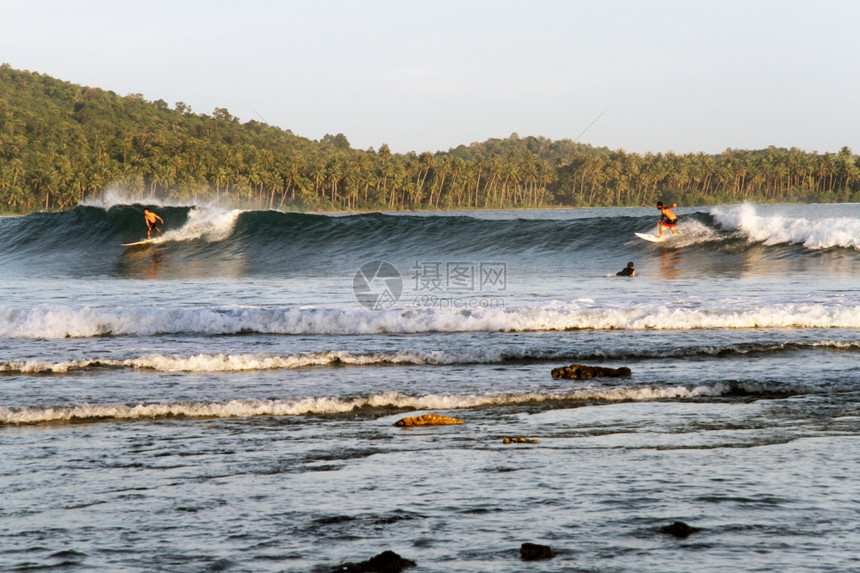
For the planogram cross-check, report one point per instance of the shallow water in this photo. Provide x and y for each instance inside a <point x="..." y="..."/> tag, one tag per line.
<point x="223" y="400"/>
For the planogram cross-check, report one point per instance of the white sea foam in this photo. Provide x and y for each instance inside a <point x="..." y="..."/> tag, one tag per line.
<point x="205" y="220"/>
<point x="235" y="362"/>
<point x="254" y="362"/>
<point x="64" y="321"/>
<point x="692" y="232"/>
<point x="209" y="224"/>
<point x="773" y="229"/>
<point x="334" y="405"/>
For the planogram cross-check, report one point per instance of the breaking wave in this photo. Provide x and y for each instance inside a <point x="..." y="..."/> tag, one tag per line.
<point x="335" y="405"/>
<point x="67" y="321"/>
<point x="86" y="240"/>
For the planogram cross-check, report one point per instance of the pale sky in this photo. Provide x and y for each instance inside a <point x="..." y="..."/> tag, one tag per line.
<point x="647" y="75"/>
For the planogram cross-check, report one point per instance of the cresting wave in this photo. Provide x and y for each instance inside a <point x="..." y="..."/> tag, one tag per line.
<point x="284" y="240"/>
<point x="61" y="321"/>
<point x="818" y="234"/>
<point x="334" y="405"/>
<point x="253" y="362"/>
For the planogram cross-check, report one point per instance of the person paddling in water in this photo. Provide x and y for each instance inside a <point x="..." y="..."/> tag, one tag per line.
<point x="151" y="219"/>
<point x="628" y="271"/>
<point x="667" y="218"/>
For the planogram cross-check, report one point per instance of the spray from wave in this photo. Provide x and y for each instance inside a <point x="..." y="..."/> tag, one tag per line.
<point x="824" y="233"/>
<point x="211" y="225"/>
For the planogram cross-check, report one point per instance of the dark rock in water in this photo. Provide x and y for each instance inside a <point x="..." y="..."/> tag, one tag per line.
<point x="679" y="529"/>
<point x="535" y="552"/>
<point x="578" y="371"/>
<point x="385" y="562"/>
<point x="427" y="420"/>
<point x="519" y="440"/>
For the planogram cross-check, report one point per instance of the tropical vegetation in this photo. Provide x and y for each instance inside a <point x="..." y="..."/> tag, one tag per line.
<point x="62" y="144"/>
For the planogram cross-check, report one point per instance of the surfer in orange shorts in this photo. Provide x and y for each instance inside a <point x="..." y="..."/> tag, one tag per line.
<point x="667" y="218"/>
<point x="150" y="219"/>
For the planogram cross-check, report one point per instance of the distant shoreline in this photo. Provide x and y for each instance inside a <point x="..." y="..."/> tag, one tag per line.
<point x="452" y="210"/>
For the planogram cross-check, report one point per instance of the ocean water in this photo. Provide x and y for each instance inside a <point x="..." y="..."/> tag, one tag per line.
<point x="225" y="399"/>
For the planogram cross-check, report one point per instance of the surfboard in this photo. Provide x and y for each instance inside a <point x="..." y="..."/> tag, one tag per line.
<point x="652" y="238"/>
<point x="143" y="242"/>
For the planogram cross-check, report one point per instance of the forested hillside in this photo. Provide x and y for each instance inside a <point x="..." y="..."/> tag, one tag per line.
<point x="62" y="143"/>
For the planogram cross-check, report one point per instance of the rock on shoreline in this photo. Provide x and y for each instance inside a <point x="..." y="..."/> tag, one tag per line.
<point x="427" y="420"/>
<point x="579" y="371"/>
<point x="519" y="440"/>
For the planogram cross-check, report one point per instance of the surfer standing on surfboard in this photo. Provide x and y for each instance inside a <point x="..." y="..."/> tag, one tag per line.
<point x="667" y="218"/>
<point x="150" y="219"/>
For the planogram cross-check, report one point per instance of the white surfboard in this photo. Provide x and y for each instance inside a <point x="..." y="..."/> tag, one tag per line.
<point x="143" y="242"/>
<point x="652" y="238"/>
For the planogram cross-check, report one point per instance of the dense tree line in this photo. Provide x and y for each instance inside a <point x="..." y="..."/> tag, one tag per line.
<point x="61" y="144"/>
